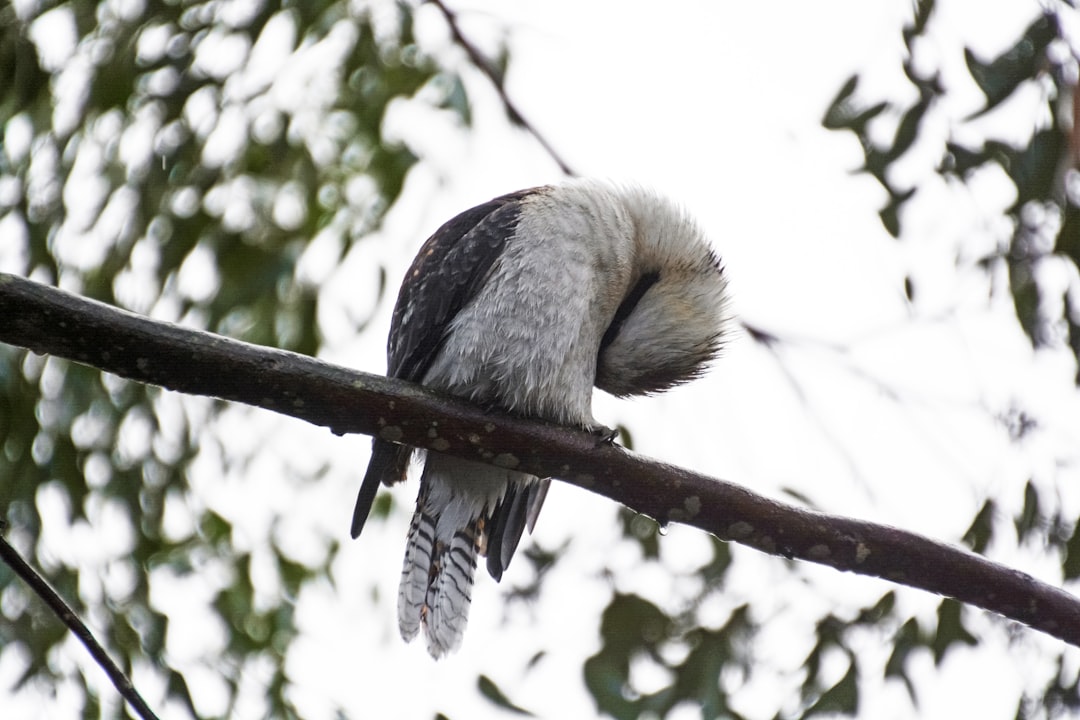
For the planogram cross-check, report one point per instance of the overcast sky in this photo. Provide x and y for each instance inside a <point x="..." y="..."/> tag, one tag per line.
<point x="876" y="409"/>
<point x="719" y="105"/>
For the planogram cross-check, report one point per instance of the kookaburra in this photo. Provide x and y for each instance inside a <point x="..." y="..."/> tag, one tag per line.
<point x="523" y="304"/>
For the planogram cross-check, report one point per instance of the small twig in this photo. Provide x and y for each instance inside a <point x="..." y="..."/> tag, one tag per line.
<point x="771" y="343"/>
<point x="485" y="66"/>
<point x="67" y="616"/>
<point x="775" y="345"/>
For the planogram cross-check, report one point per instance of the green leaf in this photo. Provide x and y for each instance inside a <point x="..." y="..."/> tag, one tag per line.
<point x="839" y="112"/>
<point x="178" y="689"/>
<point x="843" y="697"/>
<point x="950" y="629"/>
<point x="23" y="83"/>
<point x="1000" y="77"/>
<point x="890" y="214"/>
<point x="910" y="124"/>
<point x="643" y="529"/>
<point x="1068" y="243"/>
<point x="880" y="610"/>
<point x="1070" y="564"/>
<point x="714" y="570"/>
<point x="981" y="531"/>
<point x="844" y="114"/>
<point x="800" y="497"/>
<point x="629" y="625"/>
<point x="1034" y="168"/>
<point x="456" y="98"/>
<point x="633" y="628"/>
<point x="907" y="640"/>
<point x="923" y="10"/>
<point x="1031" y="516"/>
<point x="1025" y="294"/>
<point x="491" y="691"/>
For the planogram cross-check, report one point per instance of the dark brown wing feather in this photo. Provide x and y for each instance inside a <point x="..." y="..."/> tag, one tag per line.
<point x="516" y="511"/>
<point x="444" y="277"/>
<point x="446" y="274"/>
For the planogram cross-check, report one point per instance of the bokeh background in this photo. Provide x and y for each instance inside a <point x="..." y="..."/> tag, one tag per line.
<point x="893" y="187"/>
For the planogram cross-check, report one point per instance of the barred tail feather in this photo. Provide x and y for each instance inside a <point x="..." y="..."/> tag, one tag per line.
<point x="450" y="592"/>
<point x="462" y="506"/>
<point x="436" y="584"/>
<point x="416" y="573"/>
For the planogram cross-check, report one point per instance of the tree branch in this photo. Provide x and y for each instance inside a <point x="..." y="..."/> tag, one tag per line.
<point x="499" y="82"/>
<point x="47" y="320"/>
<point x="68" y="616"/>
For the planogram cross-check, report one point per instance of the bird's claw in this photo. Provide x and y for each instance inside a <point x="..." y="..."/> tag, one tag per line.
<point x="603" y="434"/>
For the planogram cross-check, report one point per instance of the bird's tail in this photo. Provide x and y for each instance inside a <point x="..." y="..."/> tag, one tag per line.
<point x="387" y="466"/>
<point x="436" y="582"/>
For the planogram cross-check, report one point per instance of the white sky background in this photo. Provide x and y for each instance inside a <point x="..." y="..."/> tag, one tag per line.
<point x="718" y="105"/>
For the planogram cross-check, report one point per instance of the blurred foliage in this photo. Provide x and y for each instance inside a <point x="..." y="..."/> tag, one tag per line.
<point x="1044" y="217"/>
<point x="1047" y="530"/>
<point x="686" y="663"/>
<point x="497" y="697"/>
<point x="697" y="664"/>
<point x="178" y="158"/>
<point x="1044" y="170"/>
<point x="639" y="638"/>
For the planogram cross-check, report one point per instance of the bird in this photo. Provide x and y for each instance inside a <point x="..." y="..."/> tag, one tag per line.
<point x="523" y="304"/>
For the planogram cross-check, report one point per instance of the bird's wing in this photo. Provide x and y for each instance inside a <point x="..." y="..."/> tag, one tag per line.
<point x="515" y="512"/>
<point x="446" y="274"/>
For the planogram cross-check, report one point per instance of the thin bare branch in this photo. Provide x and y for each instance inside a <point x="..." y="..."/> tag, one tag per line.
<point x="48" y="320"/>
<point x="499" y="82"/>
<point x="71" y="619"/>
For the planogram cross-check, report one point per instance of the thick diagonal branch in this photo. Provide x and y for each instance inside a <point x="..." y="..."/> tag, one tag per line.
<point x="47" y="320"/>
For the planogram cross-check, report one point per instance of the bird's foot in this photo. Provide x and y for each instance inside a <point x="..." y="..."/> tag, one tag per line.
<point x="603" y="434"/>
